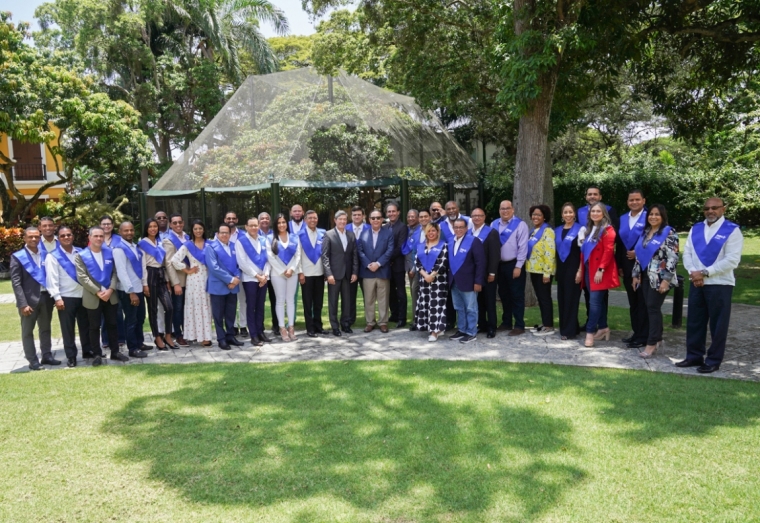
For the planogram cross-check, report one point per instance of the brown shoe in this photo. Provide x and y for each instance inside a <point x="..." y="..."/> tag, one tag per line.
<point x="369" y="328"/>
<point x="182" y="342"/>
<point x="383" y="328"/>
<point x="516" y="332"/>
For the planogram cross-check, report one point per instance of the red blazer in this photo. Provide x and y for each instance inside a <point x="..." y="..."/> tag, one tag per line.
<point x="602" y="257"/>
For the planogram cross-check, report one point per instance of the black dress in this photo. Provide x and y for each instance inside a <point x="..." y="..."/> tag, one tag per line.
<point x="568" y="292"/>
<point x="430" y="314"/>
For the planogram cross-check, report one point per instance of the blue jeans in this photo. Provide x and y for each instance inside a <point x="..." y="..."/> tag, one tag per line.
<point x="466" y="305"/>
<point x="134" y="317"/>
<point x="597" y="314"/>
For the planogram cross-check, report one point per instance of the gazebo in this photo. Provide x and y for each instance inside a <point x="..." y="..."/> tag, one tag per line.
<point x="297" y="130"/>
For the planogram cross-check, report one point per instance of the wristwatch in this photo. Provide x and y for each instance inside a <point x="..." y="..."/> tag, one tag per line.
<point x="600" y="269"/>
<point x="705" y="273"/>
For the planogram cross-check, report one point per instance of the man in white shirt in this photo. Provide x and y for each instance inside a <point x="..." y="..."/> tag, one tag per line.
<point x="632" y="225"/>
<point x="251" y="254"/>
<point x="297" y="219"/>
<point x="341" y="264"/>
<point x="265" y="230"/>
<point x="241" y="322"/>
<point x="713" y="250"/>
<point x="130" y="267"/>
<point x="311" y="274"/>
<point x="47" y="230"/>
<point x="63" y="286"/>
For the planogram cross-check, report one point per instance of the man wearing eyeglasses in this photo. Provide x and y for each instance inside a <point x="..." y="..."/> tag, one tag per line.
<point x="713" y="250"/>
<point x="436" y="213"/>
<point x="375" y="248"/>
<point x="163" y="223"/>
<point x="171" y="243"/>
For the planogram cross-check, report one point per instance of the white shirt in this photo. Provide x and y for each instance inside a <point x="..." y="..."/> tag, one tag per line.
<point x="249" y="269"/>
<point x="374" y="238"/>
<point x="98" y="256"/>
<point x="295" y="228"/>
<point x="128" y="280"/>
<point x="343" y="238"/>
<point x="632" y="219"/>
<point x="58" y="281"/>
<point x="457" y="243"/>
<point x="450" y="224"/>
<point x="226" y="247"/>
<point x="50" y="246"/>
<point x="307" y="267"/>
<point x="722" y="271"/>
<point x="278" y="267"/>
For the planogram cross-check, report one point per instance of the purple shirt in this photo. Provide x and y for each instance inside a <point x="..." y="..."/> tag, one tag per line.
<point x="516" y="246"/>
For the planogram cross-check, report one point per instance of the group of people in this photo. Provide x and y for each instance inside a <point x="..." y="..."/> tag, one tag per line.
<point x="455" y="265"/>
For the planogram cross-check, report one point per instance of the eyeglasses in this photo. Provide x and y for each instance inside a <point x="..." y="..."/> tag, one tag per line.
<point x="713" y="207"/>
<point x="177" y="223"/>
<point x="505" y="208"/>
<point x="65" y="235"/>
<point x="161" y="218"/>
<point x="376" y="218"/>
<point x="477" y="216"/>
<point x="106" y="224"/>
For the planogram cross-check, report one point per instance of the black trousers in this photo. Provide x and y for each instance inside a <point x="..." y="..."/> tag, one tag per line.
<point x="107" y="311"/>
<point x="341" y="290"/>
<point x="158" y="293"/>
<point x="487" y="307"/>
<point x="544" y="296"/>
<point x="708" y="305"/>
<point x="313" y="295"/>
<point x="74" y="315"/>
<point x="653" y="300"/>
<point x="178" y="317"/>
<point x="223" y="309"/>
<point x="397" y="297"/>
<point x="637" y="308"/>
<point x="352" y="301"/>
<point x="568" y="300"/>
<point x="272" y="307"/>
<point x="512" y="294"/>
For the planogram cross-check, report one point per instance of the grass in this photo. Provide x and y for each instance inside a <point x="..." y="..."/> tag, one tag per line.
<point x="412" y="441"/>
<point x="6" y="287"/>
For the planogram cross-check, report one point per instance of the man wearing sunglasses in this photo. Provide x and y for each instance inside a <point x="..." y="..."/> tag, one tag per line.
<point x="375" y="248"/>
<point x="713" y="250"/>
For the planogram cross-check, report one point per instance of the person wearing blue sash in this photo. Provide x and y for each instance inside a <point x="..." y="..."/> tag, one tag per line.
<point x="284" y="255"/>
<point x="296" y="223"/>
<point x="375" y="250"/>
<point x="632" y="225"/>
<point x="223" y="285"/>
<point x="163" y="223"/>
<point x="311" y="274"/>
<point x="655" y="271"/>
<point x="541" y="264"/>
<point x="341" y="263"/>
<point x="47" y="227"/>
<point x="96" y="275"/>
<point x="241" y="322"/>
<point x="487" y="319"/>
<point x="712" y="253"/>
<point x="62" y="285"/>
<point x="409" y="250"/>
<point x="513" y="235"/>
<point x="155" y="286"/>
<point x="357" y="226"/>
<point x="111" y="240"/>
<point x="467" y="270"/>
<point x="397" y="300"/>
<point x="251" y="254"/>
<point x="423" y="219"/>
<point x="34" y="303"/>
<point x="265" y="230"/>
<point x="432" y="270"/>
<point x="569" y="273"/>
<point x="191" y="260"/>
<point x="437" y="215"/>
<point x="452" y="214"/>
<point x="130" y="267"/>
<point x="174" y="239"/>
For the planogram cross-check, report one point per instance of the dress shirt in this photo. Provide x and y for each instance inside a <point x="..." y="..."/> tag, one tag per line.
<point x="457" y="243"/>
<point x="295" y="228"/>
<point x="307" y="267"/>
<point x="249" y="269"/>
<point x="277" y="265"/>
<point x="128" y="280"/>
<point x="58" y="281"/>
<point x="374" y="238"/>
<point x="632" y="219"/>
<point x="448" y="223"/>
<point x="517" y="245"/>
<point x="343" y="238"/>
<point x="722" y="271"/>
<point x="98" y="256"/>
<point x="50" y="246"/>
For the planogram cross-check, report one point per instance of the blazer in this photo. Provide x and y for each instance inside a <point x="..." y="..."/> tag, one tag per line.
<point x="175" y="277"/>
<point x="218" y="275"/>
<point x="473" y="267"/>
<point x="25" y="288"/>
<point x="492" y="253"/>
<point x="91" y="288"/>
<point x="381" y="253"/>
<point x="400" y="235"/>
<point x="338" y="263"/>
<point x="602" y="257"/>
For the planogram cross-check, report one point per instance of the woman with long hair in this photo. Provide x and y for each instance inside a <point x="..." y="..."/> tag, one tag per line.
<point x="655" y="270"/>
<point x="569" y="272"/>
<point x="541" y="264"/>
<point x="191" y="260"/>
<point x="284" y="256"/>
<point x="155" y="285"/>
<point x="432" y="270"/>
<point x="600" y="272"/>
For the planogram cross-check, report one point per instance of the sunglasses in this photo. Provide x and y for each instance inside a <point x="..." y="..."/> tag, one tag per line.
<point x="713" y="207"/>
<point x="65" y="235"/>
<point x="376" y="218"/>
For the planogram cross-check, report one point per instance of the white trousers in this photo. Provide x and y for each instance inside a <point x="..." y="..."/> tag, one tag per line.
<point x="285" y="292"/>
<point x="242" y="319"/>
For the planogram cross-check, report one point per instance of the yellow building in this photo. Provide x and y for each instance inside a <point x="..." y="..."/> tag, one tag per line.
<point x="35" y="166"/>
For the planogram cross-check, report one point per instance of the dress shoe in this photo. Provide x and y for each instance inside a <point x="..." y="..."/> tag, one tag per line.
<point x="348" y="330"/>
<point x="97" y="361"/>
<point x="504" y="327"/>
<point x="182" y="342"/>
<point x="413" y="328"/>
<point x="311" y="334"/>
<point x="244" y="332"/>
<point x="50" y="360"/>
<point x="689" y="363"/>
<point x="206" y="343"/>
<point x="35" y="365"/>
<point x="369" y="328"/>
<point x="118" y="356"/>
<point x="383" y="328"/>
<point x="263" y="337"/>
<point x="628" y="339"/>
<point x="336" y="332"/>
<point x="88" y="355"/>
<point x="137" y="354"/>
<point x="401" y="325"/>
<point x="319" y="330"/>
<point x="224" y="346"/>
<point x="234" y="342"/>
<point x="516" y="332"/>
<point x="146" y="347"/>
<point x="491" y="334"/>
<point x="71" y="363"/>
<point x="707" y="369"/>
<point x="236" y="331"/>
<point x="635" y="345"/>
<point x="256" y="342"/>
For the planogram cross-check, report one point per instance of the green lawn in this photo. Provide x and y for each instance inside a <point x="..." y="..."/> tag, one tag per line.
<point x="412" y="441"/>
<point x="6" y="287"/>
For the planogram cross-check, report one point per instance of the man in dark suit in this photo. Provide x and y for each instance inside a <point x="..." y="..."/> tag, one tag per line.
<point x="467" y="266"/>
<point x="397" y="296"/>
<point x="492" y="252"/>
<point x="340" y="260"/>
<point x="35" y="305"/>
<point x="375" y="248"/>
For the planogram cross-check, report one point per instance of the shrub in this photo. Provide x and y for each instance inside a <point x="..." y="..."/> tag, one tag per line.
<point x="11" y="240"/>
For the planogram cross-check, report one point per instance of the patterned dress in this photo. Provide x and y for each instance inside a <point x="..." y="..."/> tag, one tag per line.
<point x="197" y="301"/>
<point x="430" y="314"/>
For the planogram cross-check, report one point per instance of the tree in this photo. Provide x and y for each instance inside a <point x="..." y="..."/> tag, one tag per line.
<point x="291" y="52"/>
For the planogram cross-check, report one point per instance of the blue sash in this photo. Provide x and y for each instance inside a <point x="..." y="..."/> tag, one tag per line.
<point x="115" y="241"/>
<point x="313" y="253"/>
<point x="507" y="232"/>
<point x="287" y="253"/>
<point x="37" y="273"/>
<point x="483" y="234"/>
<point x="229" y="262"/>
<point x="565" y="245"/>
<point x="156" y="251"/>
<point x="103" y="277"/>
<point x="428" y="260"/>
<point x="411" y="242"/>
<point x="536" y="237"/>
<point x="196" y="252"/>
<point x="644" y="254"/>
<point x="583" y="214"/>
<point x="708" y="252"/>
<point x="176" y="241"/>
<point x="629" y="236"/>
<point x="134" y="259"/>
<point x="259" y="259"/>
<point x="64" y="261"/>
<point x="456" y="260"/>
<point x="588" y="246"/>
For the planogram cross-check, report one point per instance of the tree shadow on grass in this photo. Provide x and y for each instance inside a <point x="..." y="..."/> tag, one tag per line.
<point x="390" y="439"/>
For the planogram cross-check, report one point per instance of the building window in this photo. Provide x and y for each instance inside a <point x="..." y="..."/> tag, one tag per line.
<point x="30" y="165"/>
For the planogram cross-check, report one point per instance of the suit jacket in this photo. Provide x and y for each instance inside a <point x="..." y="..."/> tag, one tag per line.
<point x="380" y="253"/>
<point x="175" y="277"/>
<point x="218" y="275"/>
<point x="91" y="287"/>
<point x="26" y="288"/>
<point x="492" y="253"/>
<point x="337" y="262"/>
<point x="472" y="271"/>
<point x="400" y="235"/>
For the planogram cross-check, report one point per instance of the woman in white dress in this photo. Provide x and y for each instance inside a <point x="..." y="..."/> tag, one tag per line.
<point x="197" y="301"/>
<point x="284" y="255"/>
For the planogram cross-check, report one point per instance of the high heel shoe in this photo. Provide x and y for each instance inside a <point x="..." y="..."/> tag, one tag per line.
<point x="650" y="353"/>
<point x="589" y="340"/>
<point x="161" y="345"/>
<point x="603" y="334"/>
<point x="170" y="342"/>
<point x="292" y="333"/>
<point x="284" y="334"/>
